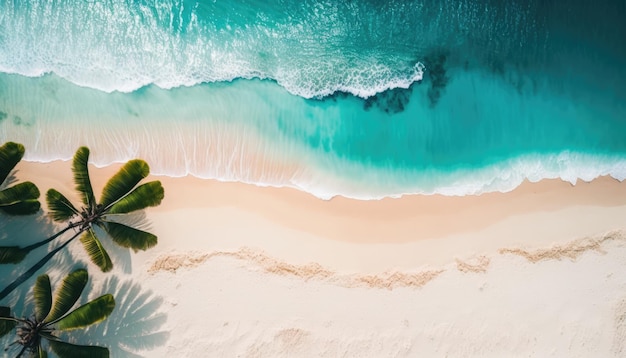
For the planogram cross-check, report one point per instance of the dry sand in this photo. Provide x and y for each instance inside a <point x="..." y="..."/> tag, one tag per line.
<point x="245" y="271"/>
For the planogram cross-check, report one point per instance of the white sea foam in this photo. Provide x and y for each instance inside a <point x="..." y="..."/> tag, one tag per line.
<point x="504" y="176"/>
<point x="500" y="177"/>
<point x="115" y="46"/>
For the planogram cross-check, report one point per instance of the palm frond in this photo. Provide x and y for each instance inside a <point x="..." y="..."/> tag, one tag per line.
<point x="67" y="295"/>
<point x="96" y="251"/>
<point x="6" y="325"/>
<point x="27" y="207"/>
<point x="20" y="199"/>
<point x="81" y="176"/>
<point x="10" y="154"/>
<point x="145" y="195"/>
<point x="43" y="297"/>
<point x="87" y="314"/>
<point x="68" y="350"/>
<point x="124" y="181"/>
<point x="130" y="237"/>
<point x="20" y="192"/>
<point x="12" y="254"/>
<point x="48" y="335"/>
<point x="59" y="207"/>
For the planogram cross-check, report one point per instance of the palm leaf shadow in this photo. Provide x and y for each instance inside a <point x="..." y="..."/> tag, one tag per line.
<point x="137" y="219"/>
<point x="24" y="230"/>
<point x="134" y="326"/>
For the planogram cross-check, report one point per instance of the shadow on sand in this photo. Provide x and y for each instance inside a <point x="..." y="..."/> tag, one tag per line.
<point x="23" y="231"/>
<point x="135" y="326"/>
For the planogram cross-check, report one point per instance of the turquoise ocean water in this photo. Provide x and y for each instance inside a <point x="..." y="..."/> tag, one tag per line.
<point x="364" y="99"/>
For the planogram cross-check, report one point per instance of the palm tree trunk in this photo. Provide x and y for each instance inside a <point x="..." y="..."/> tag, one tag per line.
<point x="12" y="319"/>
<point x="21" y="352"/>
<point x="26" y="275"/>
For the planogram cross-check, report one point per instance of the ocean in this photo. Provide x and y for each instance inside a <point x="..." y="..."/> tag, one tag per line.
<point x="364" y="99"/>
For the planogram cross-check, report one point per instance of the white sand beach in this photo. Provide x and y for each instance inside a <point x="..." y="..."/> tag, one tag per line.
<point x="246" y="271"/>
<point x="358" y="179"/>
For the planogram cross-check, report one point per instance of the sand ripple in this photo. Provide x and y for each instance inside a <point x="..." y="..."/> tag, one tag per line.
<point x="388" y="280"/>
<point x="571" y="250"/>
<point x="258" y="260"/>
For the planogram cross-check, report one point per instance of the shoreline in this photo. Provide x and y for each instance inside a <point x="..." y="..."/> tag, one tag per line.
<point x="447" y="226"/>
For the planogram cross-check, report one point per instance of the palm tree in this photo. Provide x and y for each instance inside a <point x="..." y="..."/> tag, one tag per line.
<point x="121" y="195"/>
<point x="51" y="318"/>
<point x="20" y="199"/>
